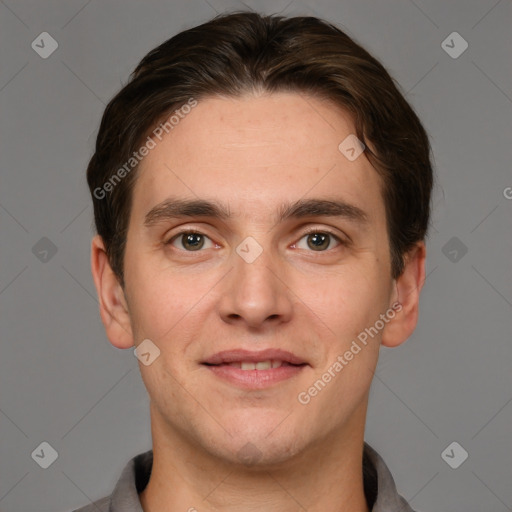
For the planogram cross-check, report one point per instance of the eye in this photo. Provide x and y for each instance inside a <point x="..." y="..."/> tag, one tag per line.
<point x="190" y="241"/>
<point x="319" y="241"/>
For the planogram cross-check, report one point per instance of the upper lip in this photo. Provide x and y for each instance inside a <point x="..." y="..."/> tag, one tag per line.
<point x="238" y="355"/>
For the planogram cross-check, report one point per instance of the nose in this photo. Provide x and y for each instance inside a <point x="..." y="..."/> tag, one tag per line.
<point x="256" y="294"/>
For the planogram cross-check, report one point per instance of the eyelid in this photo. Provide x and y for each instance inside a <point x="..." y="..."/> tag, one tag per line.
<point x="320" y="229"/>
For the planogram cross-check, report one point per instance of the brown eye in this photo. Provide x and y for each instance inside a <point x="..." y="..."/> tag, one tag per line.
<point x="189" y="240"/>
<point x="319" y="241"/>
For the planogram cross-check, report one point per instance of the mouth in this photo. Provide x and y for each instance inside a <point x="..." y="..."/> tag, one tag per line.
<point x="258" y="365"/>
<point x="255" y="370"/>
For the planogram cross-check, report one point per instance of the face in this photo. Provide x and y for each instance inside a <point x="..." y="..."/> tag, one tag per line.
<point x="290" y="265"/>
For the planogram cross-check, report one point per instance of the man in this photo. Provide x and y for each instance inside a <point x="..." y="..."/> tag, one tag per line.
<point x="261" y="193"/>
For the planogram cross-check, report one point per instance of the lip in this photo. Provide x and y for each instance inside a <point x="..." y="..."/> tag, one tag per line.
<point x="218" y="364"/>
<point x="233" y="356"/>
<point x="255" y="379"/>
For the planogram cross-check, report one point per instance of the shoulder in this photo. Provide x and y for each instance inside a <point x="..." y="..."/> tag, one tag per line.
<point x="388" y="499"/>
<point x="125" y="496"/>
<point x="101" y="505"/>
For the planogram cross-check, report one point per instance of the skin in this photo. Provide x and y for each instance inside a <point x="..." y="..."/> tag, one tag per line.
<point x="254" y="153"/>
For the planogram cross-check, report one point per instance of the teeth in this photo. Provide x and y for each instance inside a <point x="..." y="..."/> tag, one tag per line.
<point x="260" y="365"/>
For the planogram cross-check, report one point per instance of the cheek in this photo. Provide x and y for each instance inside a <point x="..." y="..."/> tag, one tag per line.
<point x="167" y="307"/>
<point x="345" y="300"/>
<point x="346" y="304"/>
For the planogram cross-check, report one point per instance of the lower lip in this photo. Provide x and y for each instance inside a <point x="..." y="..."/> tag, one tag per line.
<point x="255" y="379"/>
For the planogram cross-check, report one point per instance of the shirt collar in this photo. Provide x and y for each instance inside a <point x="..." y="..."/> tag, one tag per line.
<point x="377" y="480"/>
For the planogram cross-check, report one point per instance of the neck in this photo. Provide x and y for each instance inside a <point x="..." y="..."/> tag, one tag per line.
<point x="326" y="476"/>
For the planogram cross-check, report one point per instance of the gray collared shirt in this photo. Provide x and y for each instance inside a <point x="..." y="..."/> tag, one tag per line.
<point x="379" y="486"/>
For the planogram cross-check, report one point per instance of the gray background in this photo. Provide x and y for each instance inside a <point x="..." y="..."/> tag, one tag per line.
<point x="63" y="383"/>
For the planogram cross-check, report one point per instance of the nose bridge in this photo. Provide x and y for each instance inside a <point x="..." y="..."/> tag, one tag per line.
<point x="255" y="291"/>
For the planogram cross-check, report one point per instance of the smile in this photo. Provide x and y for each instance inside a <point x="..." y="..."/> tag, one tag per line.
<point x="260" y="365"/>
<point x="255" y="375"/>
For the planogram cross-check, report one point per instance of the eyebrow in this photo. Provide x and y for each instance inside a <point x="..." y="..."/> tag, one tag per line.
<point x="175" y="208"/>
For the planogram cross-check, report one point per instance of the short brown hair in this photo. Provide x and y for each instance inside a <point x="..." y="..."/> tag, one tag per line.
<point x="242" y="52"/>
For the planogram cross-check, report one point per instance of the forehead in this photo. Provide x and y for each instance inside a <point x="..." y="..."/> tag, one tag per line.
<point x="255" y="152"/>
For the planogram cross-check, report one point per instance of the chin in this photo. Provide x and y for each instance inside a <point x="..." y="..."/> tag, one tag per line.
<point x="258" y="446"/>
<point x="257" y="456"/>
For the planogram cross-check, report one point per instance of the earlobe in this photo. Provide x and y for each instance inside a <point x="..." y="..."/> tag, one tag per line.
<point x="407" y="294"/>
<point x="113" y="306"/>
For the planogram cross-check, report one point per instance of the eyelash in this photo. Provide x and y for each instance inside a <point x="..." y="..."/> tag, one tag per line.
<point x="310" y="231"/>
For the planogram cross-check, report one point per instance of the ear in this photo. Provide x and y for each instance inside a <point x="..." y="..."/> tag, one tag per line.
<point x="113" y="306"/>
<point x="405" y="299"/>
